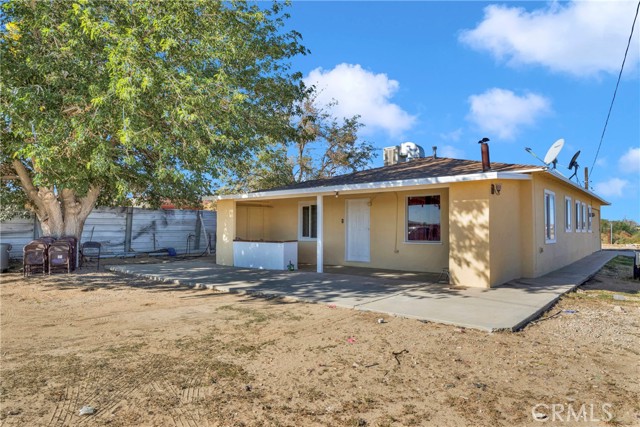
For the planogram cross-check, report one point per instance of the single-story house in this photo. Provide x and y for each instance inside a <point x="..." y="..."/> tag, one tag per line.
<point x="486" y="223"/>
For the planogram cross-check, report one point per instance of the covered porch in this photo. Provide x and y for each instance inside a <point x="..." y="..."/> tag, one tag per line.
<point x="402" y="231"/>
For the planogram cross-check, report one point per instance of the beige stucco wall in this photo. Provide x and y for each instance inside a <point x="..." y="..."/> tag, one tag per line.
<point x="569" y="246"/>
<point x="389" y="248"/>
<point x="487" y="239"/>
<point x="250" y="222"/>
<point x="226" y="231"/>
<point x="469" y="224"/>
<point x="527" y="229"/>
<point x="488" y="232"/>
<point x="507" y="228"/>
<point x="497" y="238"/>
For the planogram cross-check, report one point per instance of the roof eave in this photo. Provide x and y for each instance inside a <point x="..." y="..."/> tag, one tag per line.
<point x="382" y="185"/>
<point x="561" y="177"/>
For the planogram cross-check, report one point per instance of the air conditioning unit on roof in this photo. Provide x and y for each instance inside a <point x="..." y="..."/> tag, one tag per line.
<point x="390" y="155"/>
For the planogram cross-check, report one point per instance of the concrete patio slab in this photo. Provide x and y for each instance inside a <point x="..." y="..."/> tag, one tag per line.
<point x="508" y="307"/>
<point x="340" y="289"/>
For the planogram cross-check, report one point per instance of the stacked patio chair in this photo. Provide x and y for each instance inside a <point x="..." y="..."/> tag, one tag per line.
<point x="47" y="239"/>
<point x="73" y="249"/>
<point x="35" y="256"/>
<point x="61" y="255"/>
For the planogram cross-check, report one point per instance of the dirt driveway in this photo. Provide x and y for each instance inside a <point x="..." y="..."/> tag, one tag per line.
<point x="151" y="354"/>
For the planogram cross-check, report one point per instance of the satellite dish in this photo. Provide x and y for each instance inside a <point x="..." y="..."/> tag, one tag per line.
<point x="553" y="152"/>
<point x="530" y="151"/>
<point x="573" y="164"/>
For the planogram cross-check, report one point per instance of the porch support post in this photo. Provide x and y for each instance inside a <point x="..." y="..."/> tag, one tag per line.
<point x="320" y="232"/>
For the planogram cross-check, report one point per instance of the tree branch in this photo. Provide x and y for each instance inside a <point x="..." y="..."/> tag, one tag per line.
<point x="69" y="202"/>
<point x="88" y="202"/>
<point x="27" y="184"/>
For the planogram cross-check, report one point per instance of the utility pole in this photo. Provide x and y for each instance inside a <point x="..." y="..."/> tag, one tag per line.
<point x="611" y="232"/>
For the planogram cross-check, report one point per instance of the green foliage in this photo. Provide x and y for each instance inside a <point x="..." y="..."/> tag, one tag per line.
<point x="325" y="147"/>
<point x="149" y="100"/>
<point x="321" y="147"/>
<point x="270" y="168"/>
<point x="12" y="202"/>
<point x="624" y="231"/>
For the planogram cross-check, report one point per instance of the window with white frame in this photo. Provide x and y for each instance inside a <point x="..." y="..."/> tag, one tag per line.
<point x="590" y="218"/>
<point x="549" y="216"/>
<point x="308" y="221"/>
<point x="583" y="222"/>
<point x="423" y="219"/>
<point x="567" y="214"/>
<point x="578" y="226"/>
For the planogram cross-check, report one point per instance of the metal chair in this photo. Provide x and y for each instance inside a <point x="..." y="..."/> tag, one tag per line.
<point x="35" y="257"/>
<point x="58" y="257"/>
<point x="444" y="277"/>
<point x="91" y="250"/>
<point x="73" y="249"/>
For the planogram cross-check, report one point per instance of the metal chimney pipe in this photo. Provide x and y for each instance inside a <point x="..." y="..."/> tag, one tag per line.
<point x="435" y="152"/>
<point x="484" y="149"/>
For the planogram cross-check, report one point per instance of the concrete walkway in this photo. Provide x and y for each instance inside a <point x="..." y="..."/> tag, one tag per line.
<point x="508" y="307"/>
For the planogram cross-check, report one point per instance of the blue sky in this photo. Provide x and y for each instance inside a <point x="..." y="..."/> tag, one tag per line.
<point x="523" y="74"/>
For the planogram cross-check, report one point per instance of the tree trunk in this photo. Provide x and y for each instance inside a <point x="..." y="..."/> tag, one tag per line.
<point x="62" y="213"/>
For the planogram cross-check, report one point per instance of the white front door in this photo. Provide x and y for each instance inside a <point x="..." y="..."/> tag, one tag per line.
<point x="358" y="239"/>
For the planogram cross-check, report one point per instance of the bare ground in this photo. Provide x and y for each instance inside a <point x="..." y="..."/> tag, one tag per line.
<point x="154" y="354"/>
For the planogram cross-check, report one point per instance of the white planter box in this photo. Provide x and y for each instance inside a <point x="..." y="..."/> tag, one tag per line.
<point x="265" y="255"/>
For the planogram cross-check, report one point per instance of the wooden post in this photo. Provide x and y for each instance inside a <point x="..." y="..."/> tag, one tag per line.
<point x="586" y="178"/>
<point x="36" y="227"/>
<point x="128" y="230"/>
<point x="320" y="234"/>
<point x="197" y="232"/>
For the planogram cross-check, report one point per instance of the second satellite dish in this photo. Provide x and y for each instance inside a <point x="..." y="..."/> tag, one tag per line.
<point x="553" y="152"/>
<point x="573" y="164"/>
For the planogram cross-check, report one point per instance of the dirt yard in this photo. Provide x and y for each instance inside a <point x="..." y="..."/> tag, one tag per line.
<point x="152" y="354"/>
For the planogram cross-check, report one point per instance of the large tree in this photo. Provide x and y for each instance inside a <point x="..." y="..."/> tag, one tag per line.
<point x="108" y="101"/>
<point x="322" y="146"/>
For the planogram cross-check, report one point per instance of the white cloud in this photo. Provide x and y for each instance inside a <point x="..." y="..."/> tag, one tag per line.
<point x="580" y="38"/>
<point x="501" y="112"/>
<point x="630" y="161"/>
<point x="450" y="151"/>
<point x="602" y="161"/>
<point x="362" y="92"/>
<point x="453" y="135"/>
<point x="611" y="188"/>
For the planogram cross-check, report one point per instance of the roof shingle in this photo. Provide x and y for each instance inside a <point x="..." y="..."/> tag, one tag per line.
<point x="426" y="167"/>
